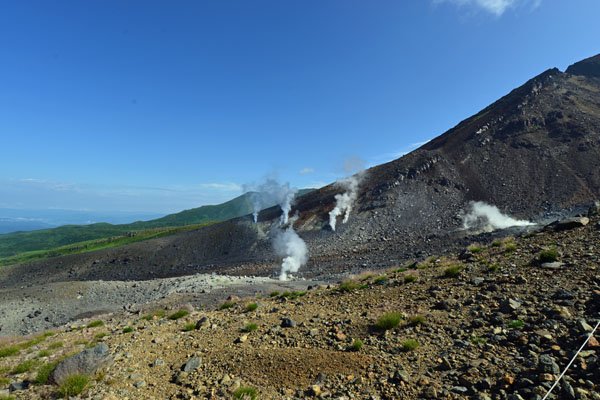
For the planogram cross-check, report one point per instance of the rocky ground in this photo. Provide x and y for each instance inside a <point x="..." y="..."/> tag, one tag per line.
<point x="496" y="321"/>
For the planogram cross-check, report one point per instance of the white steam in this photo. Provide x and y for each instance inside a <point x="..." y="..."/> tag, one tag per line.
<point x="344" y="201"/>
<point x="291" y="247"/>
<point x="272" y="192"/>
<point x="483" y="217"/>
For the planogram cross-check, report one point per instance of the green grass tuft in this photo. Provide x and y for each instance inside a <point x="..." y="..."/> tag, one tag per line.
<point x="251" y="327"/>
<point x="251" y="307"/>
<point x="55" y="345"/>
<point x="8" y="351"/>
<point x="156" y="313"/>
<point x="178" y="314"/>
<point x="516" y="324"/>
<point x="548" y="255"/>
<point x="409" y="345"/>
<point x="226" y="305"/>
<point x="128" y="329"/>
<point x="410" y="278"/>
<point x="245" y="393"/>
<point x="95" y="324"/>
<point x="74" y="385"/>
<point x="453" y="271"/>
<point x="356" y="345"/>
<point x="417" y="320"/>
<point x="44" y="353"/>
<point x="388" y="321"/>
<point x="350" y="285"/>
<point x="274" y="293"/>
<point x="25" y="366"/>
<point x="189" y="327"/>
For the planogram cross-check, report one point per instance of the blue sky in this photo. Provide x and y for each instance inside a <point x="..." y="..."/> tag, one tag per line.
<point x="159" y="106"/>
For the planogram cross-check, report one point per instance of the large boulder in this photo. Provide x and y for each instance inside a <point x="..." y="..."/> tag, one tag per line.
<point x="87" y="362"/>
<point x="568" y="223"/>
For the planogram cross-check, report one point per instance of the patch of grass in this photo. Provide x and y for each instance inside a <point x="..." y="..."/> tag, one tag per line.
<point x="453" y="271"/>
<point x="274" y="293"/>
<point x="156" y="313"/>
<point x="55" y="345"/>
<point x="226" y="305"/>
<point x="251" y="307"/>
<point x="245" y="393"/>
<point x="493" y="267"/>
<point x="44" y="353"/>
<point x="251" y="327"/>
<point x="548" y="255"/>
<point x="409" y="278"/>
<point x="8" y="351"/>
<point x="478" y="340"/>
<point x="510" y="247"/>
<point x="3" y="397"/>
<point x="516" y="324"/>
<point x="356" y="345"/>
<point x="128" y="329"/>
<point x="409" y="345"/>
<point x="189" y="327"/>
<point x="380" y="280"/>
<point x="100" y="335"/>
<point x="293" y="295"/>
<point x="31" y="342"/>
<point x="44" y="372"/>
<point x="81" y="341"/>
<point x="350" y="285"/>
<point x="497" y="243"/>
<point x="178" y="314"/>
<point x="25" y="366"/>
<point x="388" y="321"/>
<point x="4" y="382"/>
<point x="417" y="320"/>
<point x="95" y="324"/>
<point x="475" y="248"/>
<point x="399" y="270"/>
<point x="74" y="385"/>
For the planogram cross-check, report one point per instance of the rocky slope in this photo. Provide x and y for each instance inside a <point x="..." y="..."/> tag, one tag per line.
<point x="534" y="152"/>
<point x="496" y="321"/>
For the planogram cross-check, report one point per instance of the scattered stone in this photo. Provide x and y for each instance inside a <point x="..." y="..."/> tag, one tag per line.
<point x="87" y="363"/>
<point x="17" y="386"/>
<point x="287" y="323"/>
<point x="568" y="223"/>
<point x="552" y="265"/>
<point x="192" y="364"/>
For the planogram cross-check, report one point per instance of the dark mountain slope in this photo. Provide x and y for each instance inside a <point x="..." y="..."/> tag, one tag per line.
<point x="534" y="151"/>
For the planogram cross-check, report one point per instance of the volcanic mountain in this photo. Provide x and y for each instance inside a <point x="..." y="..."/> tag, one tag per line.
<point x="534" y="152"/>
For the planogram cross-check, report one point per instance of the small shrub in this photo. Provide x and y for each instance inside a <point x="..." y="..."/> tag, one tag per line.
<point x="8" y="351"/>
<point x="25" y="366"/>
<point x="4" y="382"/>
<point x="55" y="345"/>
<point x="400" y="270"/>
<point x="478" y="340"/>
<point x="548" y="255"/>
<point x="74" y="385"/>
<point x="128" y="329"/>
<point x="380" y="280"/>
<point x="156" y="313"/>
<point x="100" y="335"/>
<point x="410" y="278"/>
<point x="246" y="393"/>
<point x="497" y="243"/>
<point x="356" y="345"/>
<point x="453" y="271"/>
<point x="251" y="307"/>
<point x="516" y="324"/>
<point x="416" y="320"/>
<point x="44" y="353"/>
<point x="475" y="248"/>
<point x="349" y="285"/>
<point x="510" y="247"/>
<point x="95" y="324"/>
<point x="226" y="305"/>
<point x="388" y="321"/>
<point x="178" y="314"/>
<point x="249" y="328"/>
<point x="189" y="327"/>
<point x="293" y="295"/>
<point x="493" y="267"/>
<point x="409" y="345"/>
<point x="274" y="293"/>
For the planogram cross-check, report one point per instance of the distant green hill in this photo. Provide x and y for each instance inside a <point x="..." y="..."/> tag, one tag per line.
<point x="12" y="244"/>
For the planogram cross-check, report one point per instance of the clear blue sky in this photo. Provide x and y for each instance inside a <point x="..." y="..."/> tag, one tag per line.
<point x="165" y="105"/>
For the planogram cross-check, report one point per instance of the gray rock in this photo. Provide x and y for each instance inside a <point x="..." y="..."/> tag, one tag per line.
<point x="594" y="209"/>
<point x="20" y="385"/>
<point x="158" y="362"/>
<point x="287" y="323"/>
<point x="552" y="265"/>
<point x="202" y="322"/>
<point x="192" y="364"/>
<point x="87" y="363"/>
<point x="547" y="364"/>
<point x="584" y="326"/>
<point x="139" y="384"/>
<point x="568" y="223"/>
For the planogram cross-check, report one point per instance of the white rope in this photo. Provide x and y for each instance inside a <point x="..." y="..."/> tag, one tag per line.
<point x="571" y="362"/>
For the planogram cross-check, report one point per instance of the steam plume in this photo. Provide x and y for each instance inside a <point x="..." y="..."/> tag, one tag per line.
<point x="291" y="247"/>
<point x="483" y="217"/>
<point x="344" y="201"/>
<point x="272" y="192"/>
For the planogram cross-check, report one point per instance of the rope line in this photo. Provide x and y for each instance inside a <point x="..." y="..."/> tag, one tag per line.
<point x="571" y="362"/>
